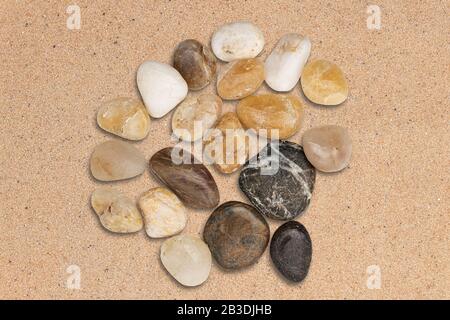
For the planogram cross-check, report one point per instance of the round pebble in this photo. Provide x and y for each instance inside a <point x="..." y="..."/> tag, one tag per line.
<point x="324" y="83"/>
<point x="328" y="148"/>
<point x="195" y="62"/>
<point x="164" y="214"/>
<point x="117" y="213"/>
<point x="116" y="160"/>
<point x="187" y="258"/>
<point x="161" y="86"/>
<point x="240" y="79"/>
<point x="284" y="65"/>
<point x="237" y="235"/>
<point x="195" y="115"/>
<point x="125" y="117"/>
<point x="271" y="112"/>
<point x="291" y="251"/>
<point x="237" y="40"/>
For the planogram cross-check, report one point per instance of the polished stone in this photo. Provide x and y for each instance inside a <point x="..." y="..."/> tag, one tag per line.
<point x="270" y="112"/>
<point x="240" y="79"/>
<point x="187" y="258"/>
<point x="195" y="62"/>
<point x="125" y="117"/>
<point x="237" y="235"/>
<point x="279" y="181"/>
<point x="328" y="148"/>
<point x="116" y="160"/>
<point x="195" y="115"/>
<point x="323" y="82"/>
<point x="117" y="213"/>
<point x="291" y="251"/>
<point x="164" y="214"/>
<point x="191" y="182"/>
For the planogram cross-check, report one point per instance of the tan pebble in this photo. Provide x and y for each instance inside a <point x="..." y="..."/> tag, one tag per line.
<point x="240" y="79"/>
<point x="163" y="212"/>
<point x="328" y="148"/>
<point x="271" y="112"/>
<point x="195" y="62"/>
<point x="125" y="117"/>
<point x="324" y="83"/>
<point x="116" y="160"/>
<point x="117" y="213"/>
<point x="195" y="115"/>
<point x="227" y="145"/>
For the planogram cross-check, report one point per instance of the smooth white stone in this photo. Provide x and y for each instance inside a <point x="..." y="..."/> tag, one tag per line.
<point x="285" y="63"/>
<point x="187" y="258"/>
<point x="164" y="214"/>
<point x="238" y="40"/>
<point x="161" y="86"/>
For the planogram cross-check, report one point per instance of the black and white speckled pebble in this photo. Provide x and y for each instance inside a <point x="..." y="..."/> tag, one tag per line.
<point x="283" y="194"/>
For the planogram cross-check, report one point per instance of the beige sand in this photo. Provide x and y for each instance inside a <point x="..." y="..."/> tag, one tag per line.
<point x="390" y="208"/>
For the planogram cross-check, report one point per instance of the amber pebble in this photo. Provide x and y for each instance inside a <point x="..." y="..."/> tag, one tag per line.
<point x="328" y="148"/>
<point x="271" y="112"/>
<point x="227" y="144"/>
<point x="323" y="82"/>
<point x="195" y="62"/>
<point x="240" y="79"/>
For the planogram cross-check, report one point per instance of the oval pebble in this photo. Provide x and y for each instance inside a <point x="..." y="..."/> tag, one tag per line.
<point x="291" y="251"/>
<point x="187" y="258"/>
<point x="117" y="213"/>
<point x="161" y="86"/>
<point x="328" y="148"/>
<point x="271" y="112"/>
<point x="237" y="40"/>
<point x="284" y="65"/>
<point x="195" y="62"/>
<point x="116" y="160"/>
<point x="164" y="214"/>
<point x="237" y="235"/>
<point x="125" y="117"/>
<point x="279" y="180"/>
<point x="324" y="83"/>
<point x="240" y="79"/>
<point x="191" y="182"/>
<point x="195" y="115"/>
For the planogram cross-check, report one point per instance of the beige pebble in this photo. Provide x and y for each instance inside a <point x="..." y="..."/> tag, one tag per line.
<point x="117" y="213"/>
<point x="164" y="214"/>
<point x="240" y="79"/>
<point x="195" y="115"/>
<point x="125" y="117"/>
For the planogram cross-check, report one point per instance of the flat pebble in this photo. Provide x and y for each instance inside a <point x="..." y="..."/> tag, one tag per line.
<point x="125" y="117"/>
<point x="161" y="86"/>
<point x="291" y="251"/>
<point x="271" y="112"/>
<point x="279" y="182"/>
<point x="164" y="214"/>
<point x="237" y="235"/>
<point x="195" y="115"/>
<point x="195" y="62"/>
<point x="284" y="65"/>
<point x="227" y="145"/>
<point x="328" y="148"/>
<point x="323" y="82"/>
<point x="191" y="182"/>
<point x="116" y="160"/>
<point x="240" y="79"/>
<point x="187" y="258"/>
<point x="117" y="213"/>
<point x="237" y="40"/>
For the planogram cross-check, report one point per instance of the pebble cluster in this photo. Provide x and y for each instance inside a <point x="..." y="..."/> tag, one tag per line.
<point x="236" y="234"/>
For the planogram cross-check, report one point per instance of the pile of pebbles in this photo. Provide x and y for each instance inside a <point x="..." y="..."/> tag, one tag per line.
<point x="236" y="234"/>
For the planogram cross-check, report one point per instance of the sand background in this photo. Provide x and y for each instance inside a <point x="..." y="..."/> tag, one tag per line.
<point x="389" y="208"/>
